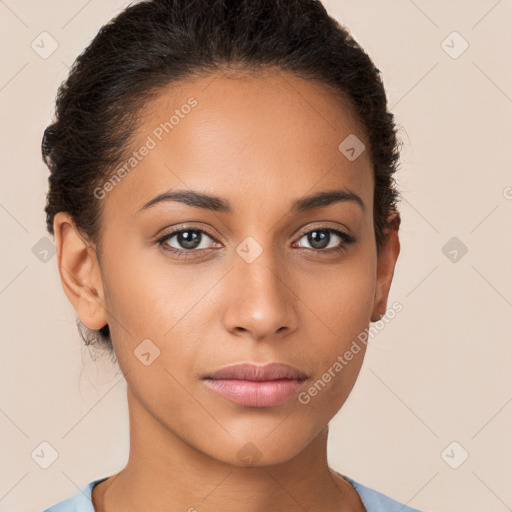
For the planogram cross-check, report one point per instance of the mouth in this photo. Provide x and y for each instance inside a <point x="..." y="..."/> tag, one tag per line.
<point x="254" y="385"/>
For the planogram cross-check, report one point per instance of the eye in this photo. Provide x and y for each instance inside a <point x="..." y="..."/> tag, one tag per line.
<point x="185" y="240"/>
<point x="326" y="239"/>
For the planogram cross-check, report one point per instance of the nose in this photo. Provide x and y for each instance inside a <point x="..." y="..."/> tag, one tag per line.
<point x="261" y="302"/>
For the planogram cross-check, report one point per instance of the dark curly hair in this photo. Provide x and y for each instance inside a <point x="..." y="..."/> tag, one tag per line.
<point x="154" y="43"/>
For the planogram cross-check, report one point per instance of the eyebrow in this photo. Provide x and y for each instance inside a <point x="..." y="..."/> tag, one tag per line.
<point x="218" y="204"/>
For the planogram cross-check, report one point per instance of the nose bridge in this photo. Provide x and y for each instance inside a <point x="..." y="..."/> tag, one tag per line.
<point x="262" y="302"/>
<point x="258" y="268"/>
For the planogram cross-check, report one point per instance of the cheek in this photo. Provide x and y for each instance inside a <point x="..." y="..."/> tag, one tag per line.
<point x="148" y="296"/>
<point x="344" y="305"/>
<point x="153" y="321"/>
<point x="343" y="297"/>
<point x="156" y="314"/>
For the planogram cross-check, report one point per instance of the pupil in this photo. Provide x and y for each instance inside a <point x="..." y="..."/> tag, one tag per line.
<point x="318" y="238"/>
<point x="189" y="241"/>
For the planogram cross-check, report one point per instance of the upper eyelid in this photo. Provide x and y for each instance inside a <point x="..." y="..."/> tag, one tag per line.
<point x="324" y="228"/>
<point x="301" y="234"/>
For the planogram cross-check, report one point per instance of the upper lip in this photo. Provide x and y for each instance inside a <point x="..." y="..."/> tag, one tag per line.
<point x="255" y="372"/>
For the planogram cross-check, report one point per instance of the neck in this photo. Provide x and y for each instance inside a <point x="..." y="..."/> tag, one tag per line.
<point x="164" y="472"/>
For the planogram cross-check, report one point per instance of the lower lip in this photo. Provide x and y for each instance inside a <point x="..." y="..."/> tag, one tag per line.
<point x="256" y="393"/>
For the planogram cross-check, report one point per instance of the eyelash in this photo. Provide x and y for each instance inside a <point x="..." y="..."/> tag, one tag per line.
<point x="184" y="253"/>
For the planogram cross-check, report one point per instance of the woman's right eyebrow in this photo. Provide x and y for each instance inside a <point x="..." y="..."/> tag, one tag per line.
<point x="219" y="204"/>
<point x="191" y="198"/>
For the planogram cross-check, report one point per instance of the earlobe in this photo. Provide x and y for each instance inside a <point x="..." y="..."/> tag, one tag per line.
<point x="79" y="272"/>
<point x="386" y="266"/>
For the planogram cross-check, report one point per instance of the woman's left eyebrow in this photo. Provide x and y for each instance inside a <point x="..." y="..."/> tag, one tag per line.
<point x="218" y="204"/>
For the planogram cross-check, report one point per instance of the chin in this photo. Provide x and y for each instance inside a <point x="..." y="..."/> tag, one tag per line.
<point x="255" y="451"/>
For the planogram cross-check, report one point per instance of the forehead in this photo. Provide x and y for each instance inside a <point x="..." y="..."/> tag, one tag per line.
<point x="273" y="137"/>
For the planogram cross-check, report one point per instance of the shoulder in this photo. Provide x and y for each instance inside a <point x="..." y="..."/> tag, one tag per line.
<point x="79" y="502"/>
<point x="375" y="501"/>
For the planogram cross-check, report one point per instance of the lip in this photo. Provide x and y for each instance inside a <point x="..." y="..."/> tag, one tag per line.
<point x="255" y="385"/>
<point x="258" y="372"/>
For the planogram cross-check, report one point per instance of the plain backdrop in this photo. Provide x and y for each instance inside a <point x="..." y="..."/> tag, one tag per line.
<point x="430" y="417"/>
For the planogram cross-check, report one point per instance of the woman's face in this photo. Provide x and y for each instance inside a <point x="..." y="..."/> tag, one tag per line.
<point x="247" y="283"/>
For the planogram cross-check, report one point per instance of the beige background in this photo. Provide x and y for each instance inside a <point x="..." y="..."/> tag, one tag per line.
<point x="438" y="373"/>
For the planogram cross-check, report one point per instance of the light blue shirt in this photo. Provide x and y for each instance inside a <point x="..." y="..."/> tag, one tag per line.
<point x="373" y="500"/>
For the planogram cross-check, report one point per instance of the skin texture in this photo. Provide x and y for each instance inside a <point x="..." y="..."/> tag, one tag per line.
<point x="260" y="143"/>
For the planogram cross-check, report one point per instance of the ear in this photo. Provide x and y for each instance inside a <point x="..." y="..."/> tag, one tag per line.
<point x="79" y="272"/>
<point x="386" y="265"/>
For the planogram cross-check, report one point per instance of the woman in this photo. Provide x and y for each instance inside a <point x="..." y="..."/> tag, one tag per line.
<point x="224" y="209"/>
